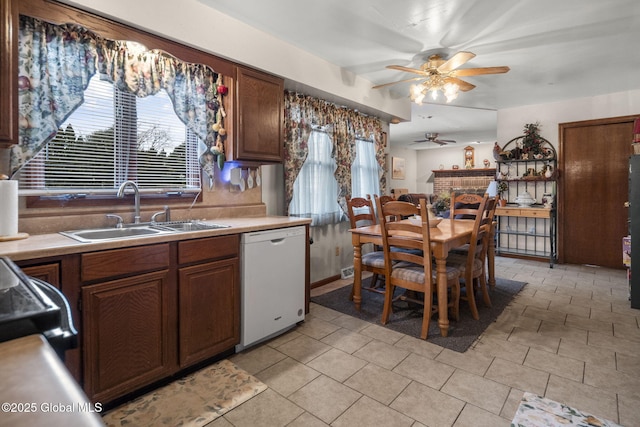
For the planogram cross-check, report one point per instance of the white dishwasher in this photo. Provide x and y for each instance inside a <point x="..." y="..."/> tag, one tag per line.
<point x="273" y="283"/>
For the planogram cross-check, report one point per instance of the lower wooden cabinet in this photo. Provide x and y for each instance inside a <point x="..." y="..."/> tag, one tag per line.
<point x="150" y="311"/>
<point x="126" y="334"/>
<point x="208" y="319"/>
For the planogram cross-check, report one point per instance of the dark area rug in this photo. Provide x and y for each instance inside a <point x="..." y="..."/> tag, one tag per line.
<point x="407" y="317"/>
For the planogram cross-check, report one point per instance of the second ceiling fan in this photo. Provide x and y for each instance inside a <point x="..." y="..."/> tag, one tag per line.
<point x="433" y="137"/>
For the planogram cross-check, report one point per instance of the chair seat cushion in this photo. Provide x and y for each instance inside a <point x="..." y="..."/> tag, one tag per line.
<point x="373" y="259"/>
<point x="460" y="262"/>
<point x="415" y="273"/>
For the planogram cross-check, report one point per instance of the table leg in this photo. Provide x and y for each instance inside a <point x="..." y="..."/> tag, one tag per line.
<point x="491" y="257"/>
<point x="356" y="292"/>
<point x="441" y="283"/>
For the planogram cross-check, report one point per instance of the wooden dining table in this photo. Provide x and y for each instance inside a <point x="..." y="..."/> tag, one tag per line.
<point x="449" y="234"/>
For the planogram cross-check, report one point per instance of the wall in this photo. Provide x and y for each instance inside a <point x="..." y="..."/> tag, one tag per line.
<point x="512" y="120"/>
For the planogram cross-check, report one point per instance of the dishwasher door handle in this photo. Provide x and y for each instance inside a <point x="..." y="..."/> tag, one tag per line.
<point x="277" y="241"/>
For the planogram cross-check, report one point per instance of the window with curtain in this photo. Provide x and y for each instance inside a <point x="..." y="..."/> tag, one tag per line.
<point x="111" y="137"/>
<point x="95" y="112"/>
<point x="315" y="190"/>
<point x="365" y="178"/>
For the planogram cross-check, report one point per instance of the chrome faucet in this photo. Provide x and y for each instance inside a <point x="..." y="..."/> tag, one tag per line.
<point x="136" y="191"/>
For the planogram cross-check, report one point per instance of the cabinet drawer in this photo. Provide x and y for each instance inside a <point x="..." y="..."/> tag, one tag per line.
<point x="209" y="248"/>
<point x="120" y="262"/>
<point x="507" y="211"/>
<point x="536" y="213"/>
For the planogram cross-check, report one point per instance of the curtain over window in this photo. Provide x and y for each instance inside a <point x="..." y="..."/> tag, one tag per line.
<point x="57" y="62"/>
<point x="301" y="114"/>
<point x="315" y="191"/>
<point x="365" y="172"/>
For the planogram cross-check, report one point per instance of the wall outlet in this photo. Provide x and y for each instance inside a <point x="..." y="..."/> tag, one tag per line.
<point x="346" y="273"/>
<point x="337" y="250"/>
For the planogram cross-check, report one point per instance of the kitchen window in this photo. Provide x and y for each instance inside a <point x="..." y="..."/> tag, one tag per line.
<point x="94" y="112"/>
<point x="112" y="137"/>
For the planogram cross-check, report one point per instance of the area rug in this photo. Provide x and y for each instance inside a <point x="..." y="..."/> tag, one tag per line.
<point x="407" y="318"/>
<point x="194" y="400"/>
<point x="536" y="411"/>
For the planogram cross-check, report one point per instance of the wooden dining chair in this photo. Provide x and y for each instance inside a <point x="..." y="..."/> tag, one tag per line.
<point x="361" y="213"/>
<point x="408" y="262"/>
<point x="471" y="264"/>
<point x="487" y="218"/>
<point x="465" y="205"/>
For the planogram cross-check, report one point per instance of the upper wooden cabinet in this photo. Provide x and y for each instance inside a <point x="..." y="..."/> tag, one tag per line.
<point x="259" y="116"/>
<point x="8" y="90"/>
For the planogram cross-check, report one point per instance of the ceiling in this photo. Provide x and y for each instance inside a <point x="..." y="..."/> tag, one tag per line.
<point x="556" y="49"/>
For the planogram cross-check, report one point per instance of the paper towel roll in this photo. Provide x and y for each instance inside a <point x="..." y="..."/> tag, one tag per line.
<point x="8" y="208"/>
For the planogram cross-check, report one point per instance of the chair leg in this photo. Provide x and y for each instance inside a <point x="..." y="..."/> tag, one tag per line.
<point x="485" y="291"/>
<point x="455" y="295"/>
<point x="386" y="310"/>
<point x="427" y="313"/>
<point x="471" y="298"/>
<point x="374" y="281"/>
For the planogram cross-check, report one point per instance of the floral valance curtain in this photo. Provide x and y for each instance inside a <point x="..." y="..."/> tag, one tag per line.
<point x="301" y="113"/>
<point x="56" y="63"/>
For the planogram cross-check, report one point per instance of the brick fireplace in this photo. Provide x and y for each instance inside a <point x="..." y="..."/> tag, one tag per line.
<point x="462" y="180"/>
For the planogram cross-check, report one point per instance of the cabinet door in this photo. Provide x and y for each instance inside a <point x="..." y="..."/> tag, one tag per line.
<point x="8" y="91"/>
<point x="49" y="273"/>
<point x="209" y="304"/>
<point x="125" y="334"/>
<point x="260" y="111"/>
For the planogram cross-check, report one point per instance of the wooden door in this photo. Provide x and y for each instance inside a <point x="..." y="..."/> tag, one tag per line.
<point x="593" y="186"/>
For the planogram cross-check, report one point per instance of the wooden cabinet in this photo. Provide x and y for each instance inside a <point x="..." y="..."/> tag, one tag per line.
<point x="259" y="117"/>
<point x="49" y="273"/>
<point x="127" y="338"/>
<point x="208" y="298"/>
<point x="8" y="88"/>
<point x="126" y="334"/>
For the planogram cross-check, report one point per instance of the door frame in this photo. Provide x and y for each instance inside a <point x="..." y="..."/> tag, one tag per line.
<point x="561" y="170"/>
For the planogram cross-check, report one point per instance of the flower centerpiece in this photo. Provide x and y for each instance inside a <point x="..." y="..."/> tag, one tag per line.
<point x="442" y="203"/>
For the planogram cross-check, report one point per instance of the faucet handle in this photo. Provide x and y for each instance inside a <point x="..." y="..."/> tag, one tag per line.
<point x="166" y="212"/>
<point x="118" y="219"/>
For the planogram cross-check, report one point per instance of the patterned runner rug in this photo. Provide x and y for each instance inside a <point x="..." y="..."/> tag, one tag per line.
<point x="194" y="400"/>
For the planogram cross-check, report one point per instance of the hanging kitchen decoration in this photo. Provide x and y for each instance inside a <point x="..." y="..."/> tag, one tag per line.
<point x="214" y="152"/>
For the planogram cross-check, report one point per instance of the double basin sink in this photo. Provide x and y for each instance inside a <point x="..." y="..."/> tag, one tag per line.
<point x="139" y="230"/>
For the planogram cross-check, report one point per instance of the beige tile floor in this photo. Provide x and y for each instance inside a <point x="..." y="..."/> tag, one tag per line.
<point x="570" y="335"/>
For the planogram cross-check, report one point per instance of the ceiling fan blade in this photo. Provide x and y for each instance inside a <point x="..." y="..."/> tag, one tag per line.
<point x="399" y="81"/>
<point x="407" y="69"/>
<point x="455" y="61"/>
<point x="418" y="141"/>
<point x="479" y="71"/>
<point x="446" y="141"/>
<point x="464" y="86"/>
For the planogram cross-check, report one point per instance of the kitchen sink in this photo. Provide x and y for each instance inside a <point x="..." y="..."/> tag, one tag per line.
<point x="189" y="225"/>
<point x="130" y="231"/>
<point x="105" y="234"/>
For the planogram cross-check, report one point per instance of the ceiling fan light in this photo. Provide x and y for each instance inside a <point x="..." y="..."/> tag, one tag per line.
<point x="434" y="93"/>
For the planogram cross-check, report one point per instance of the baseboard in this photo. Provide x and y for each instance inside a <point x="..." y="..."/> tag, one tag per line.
<point x="325" y="281"/>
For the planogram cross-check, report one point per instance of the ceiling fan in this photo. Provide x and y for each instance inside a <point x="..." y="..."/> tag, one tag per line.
<point x="433" y="137"/>
<point x="438" y="74"/>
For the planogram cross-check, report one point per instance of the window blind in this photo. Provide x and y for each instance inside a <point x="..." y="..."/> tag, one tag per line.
<point x="112" y="137"/>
